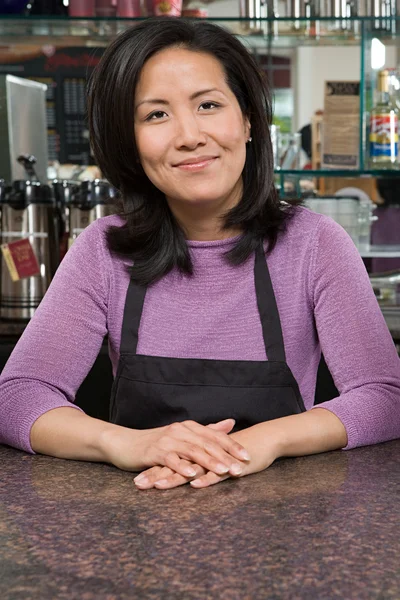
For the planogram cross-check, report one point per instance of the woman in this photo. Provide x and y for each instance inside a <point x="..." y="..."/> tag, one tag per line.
<point x="211" y="381"/>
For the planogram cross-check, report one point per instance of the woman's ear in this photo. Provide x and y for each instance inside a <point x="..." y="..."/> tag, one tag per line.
<point x="247" y="128"/>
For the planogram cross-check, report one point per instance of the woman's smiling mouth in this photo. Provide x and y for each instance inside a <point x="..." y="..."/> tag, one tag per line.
<point x="198" y="165"/>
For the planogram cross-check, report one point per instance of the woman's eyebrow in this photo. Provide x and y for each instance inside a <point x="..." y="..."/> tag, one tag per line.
<point x="192" y="97"/>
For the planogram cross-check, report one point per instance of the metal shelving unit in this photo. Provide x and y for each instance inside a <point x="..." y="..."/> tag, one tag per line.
<point x="282" y="32"/>
<point x="261" y="35"/>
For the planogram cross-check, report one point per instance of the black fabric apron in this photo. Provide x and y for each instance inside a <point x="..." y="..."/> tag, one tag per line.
<point x="152" y="391"/>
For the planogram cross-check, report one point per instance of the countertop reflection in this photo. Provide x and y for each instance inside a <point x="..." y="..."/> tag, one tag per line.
<point x="323" y="527"/>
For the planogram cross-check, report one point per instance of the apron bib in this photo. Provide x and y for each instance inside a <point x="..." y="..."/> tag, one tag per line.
<point x="153" y="391"/>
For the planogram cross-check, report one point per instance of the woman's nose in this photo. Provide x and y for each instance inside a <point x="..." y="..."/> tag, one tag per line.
<point x="189" y="133"/>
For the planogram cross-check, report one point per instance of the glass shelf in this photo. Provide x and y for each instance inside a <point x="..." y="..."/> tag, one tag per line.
<point x="339" y="172"/>
<point x="282" y="32"/>
<point x="5" y="17"/>
<point x="384" y="251"/>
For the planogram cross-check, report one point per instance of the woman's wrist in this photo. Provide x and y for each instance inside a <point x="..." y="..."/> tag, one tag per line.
<point x="104" y="440"/>
<point x="117" y="445"/>
<point x="312" y="432"/>
<point x="274" y="437"/>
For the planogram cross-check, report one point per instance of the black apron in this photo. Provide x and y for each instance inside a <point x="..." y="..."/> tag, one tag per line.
<point x="152" y="391"/>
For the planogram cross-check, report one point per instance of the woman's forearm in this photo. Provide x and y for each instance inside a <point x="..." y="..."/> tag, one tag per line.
<point x="69" y="433"/>
<point x="311" y="432"/>
<point x="65" y="432"/>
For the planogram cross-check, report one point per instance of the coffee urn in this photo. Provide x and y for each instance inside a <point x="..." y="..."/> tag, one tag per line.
<point x="90" y="201"/>
<point x="64" y="191"/>
<point x="28" y="212"/>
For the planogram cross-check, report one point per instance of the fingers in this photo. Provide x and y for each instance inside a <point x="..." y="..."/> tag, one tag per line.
<point x="178" y="471"/>
<point x="211" y="449"/>
<point x="207" y="479"/>
<point x="174" y="480"/>
<point x="148" y="476"/>
<point x="235" y="467"/>
<point x="211" y="457"/>
<point x="226" y="442"/>
<point x="225" y="426"/>
<point x="181" y="467"/>
<point x="164" y="477"/>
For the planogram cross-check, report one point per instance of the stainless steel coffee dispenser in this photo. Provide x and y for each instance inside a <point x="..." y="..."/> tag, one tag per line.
<point x="64" y="192"/>
<point x="28" y="211"/>
<point x="90" y="201"/>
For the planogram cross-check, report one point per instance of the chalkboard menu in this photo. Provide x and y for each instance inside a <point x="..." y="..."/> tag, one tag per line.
<point x="65" y="72"/>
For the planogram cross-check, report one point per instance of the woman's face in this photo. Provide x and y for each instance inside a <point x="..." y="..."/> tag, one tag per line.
<point x="186" y="112"/>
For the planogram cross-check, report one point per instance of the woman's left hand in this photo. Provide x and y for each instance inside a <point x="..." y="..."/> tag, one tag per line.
<point x="258" y="441"/>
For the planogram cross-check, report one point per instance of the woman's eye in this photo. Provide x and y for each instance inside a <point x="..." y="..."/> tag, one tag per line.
<point x="209" y="105"/>
<point x="155" y="114"/>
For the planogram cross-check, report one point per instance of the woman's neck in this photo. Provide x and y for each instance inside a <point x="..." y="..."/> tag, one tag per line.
<point x="209" y="233"/>
<point x="202" y="222"/>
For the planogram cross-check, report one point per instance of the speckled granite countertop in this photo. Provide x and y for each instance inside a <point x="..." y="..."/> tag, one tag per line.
<point x="321" y="527"/>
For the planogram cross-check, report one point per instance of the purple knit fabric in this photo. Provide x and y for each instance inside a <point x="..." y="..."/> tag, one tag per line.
<point x="324" y="298"/>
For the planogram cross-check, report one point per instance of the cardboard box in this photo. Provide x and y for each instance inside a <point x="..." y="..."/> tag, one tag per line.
<point x="341" y="125"/>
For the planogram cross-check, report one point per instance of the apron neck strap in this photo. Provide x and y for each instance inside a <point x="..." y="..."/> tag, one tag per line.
<point x="132" y="315"/>
<point x="268" y="309"/>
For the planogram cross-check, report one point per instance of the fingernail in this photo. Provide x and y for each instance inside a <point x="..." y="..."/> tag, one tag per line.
<point x="235" y="469"/>
<point x="190" y="472"/>
<point x="244" y="454"/>
<point x="195" y="483"/>
<point x="161" y="482"/>
<point x="221" y="469"/>
<point x="142" y="481"/>
<point x="139" y="477"/>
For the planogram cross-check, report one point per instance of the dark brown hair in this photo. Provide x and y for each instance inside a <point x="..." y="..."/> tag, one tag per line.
<point x="151" y="234"/>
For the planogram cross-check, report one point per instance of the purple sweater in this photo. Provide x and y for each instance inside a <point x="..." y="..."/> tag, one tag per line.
<point x="324" y="298"/>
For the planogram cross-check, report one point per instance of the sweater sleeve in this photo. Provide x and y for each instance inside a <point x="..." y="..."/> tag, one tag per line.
<point x="60" y="343"/>
<point x="355" y="340"/>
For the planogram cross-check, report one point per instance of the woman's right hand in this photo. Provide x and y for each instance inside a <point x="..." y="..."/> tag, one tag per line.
<point x="173" y="445"/>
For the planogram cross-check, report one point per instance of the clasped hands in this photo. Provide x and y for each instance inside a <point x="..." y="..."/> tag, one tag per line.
<point x="201" y="455"/>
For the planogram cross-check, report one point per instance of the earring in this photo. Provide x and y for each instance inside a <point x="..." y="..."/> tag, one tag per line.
<point x="249" y="140"/>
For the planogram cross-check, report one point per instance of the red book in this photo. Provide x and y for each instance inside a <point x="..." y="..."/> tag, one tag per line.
<point x="20" y="259"/>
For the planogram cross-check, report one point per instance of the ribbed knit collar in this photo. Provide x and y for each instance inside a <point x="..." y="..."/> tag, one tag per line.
<point x="213" y="243"/>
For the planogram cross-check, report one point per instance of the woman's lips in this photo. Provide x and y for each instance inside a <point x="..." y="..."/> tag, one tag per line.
<point x="197" y="166"/>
